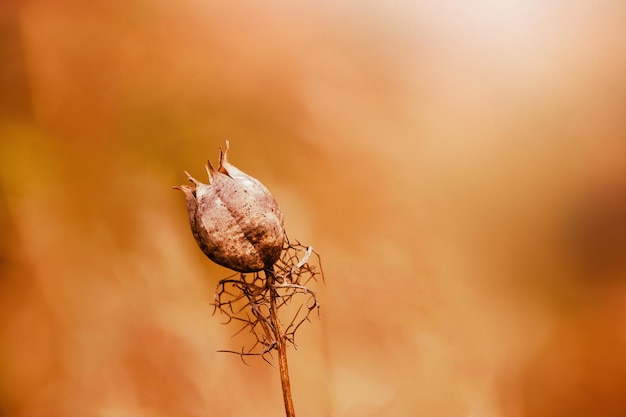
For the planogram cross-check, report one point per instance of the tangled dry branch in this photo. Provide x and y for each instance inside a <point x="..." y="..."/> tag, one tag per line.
<point x="247" y="299"/>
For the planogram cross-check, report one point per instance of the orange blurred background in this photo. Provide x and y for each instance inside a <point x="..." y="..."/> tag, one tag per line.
<point x="461" y="168"/>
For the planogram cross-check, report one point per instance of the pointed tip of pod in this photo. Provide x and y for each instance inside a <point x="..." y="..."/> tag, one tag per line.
<point x="188" y="188"/>
<point x="192" y="179"/>
<point x="224" y="158"/>
<point x="209" y="170"/>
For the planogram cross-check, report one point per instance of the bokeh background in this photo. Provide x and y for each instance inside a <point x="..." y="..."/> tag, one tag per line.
<point x="460" y="166"/>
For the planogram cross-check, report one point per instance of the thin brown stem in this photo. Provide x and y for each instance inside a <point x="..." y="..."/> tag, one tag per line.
<point x="281" y="347"/>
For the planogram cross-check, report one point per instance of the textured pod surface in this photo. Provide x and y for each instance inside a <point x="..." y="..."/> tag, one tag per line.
<point x="234" y="219"/>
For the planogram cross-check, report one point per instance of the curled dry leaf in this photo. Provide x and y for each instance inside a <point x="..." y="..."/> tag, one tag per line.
<point x="234" y="219"/>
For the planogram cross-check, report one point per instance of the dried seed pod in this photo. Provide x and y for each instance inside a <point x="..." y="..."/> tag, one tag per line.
<point x="234" y="219"/>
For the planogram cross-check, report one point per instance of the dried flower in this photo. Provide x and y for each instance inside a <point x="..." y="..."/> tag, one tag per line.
<point x="238" y="224"/>
<point x="234" y="219"/>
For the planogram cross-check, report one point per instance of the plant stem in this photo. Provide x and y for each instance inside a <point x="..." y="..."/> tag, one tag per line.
<point x="281" y="347"/>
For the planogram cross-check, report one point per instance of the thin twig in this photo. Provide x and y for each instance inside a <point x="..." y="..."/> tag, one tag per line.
<point x="282" y="349"/>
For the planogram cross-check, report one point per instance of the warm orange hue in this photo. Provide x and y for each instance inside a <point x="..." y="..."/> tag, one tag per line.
<point x="460" y="166"/>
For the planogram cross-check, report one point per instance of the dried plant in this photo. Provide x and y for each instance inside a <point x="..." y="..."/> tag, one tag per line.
<point x="238" y="224"/>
